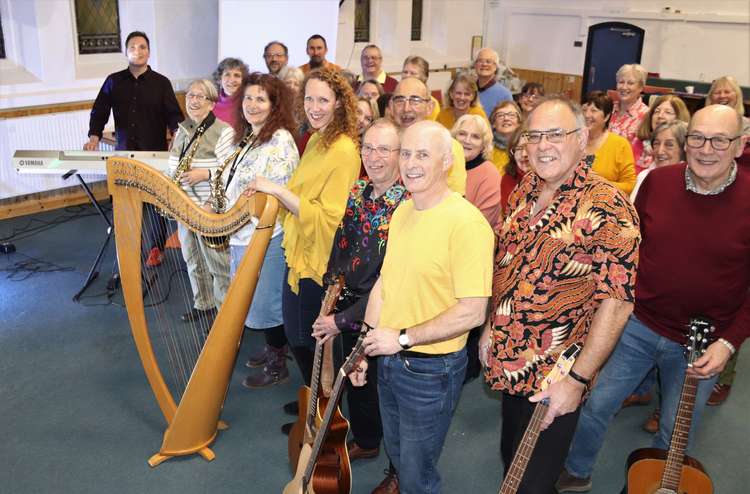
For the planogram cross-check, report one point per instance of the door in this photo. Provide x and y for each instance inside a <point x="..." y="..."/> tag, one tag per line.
<point x="610" y="45"/>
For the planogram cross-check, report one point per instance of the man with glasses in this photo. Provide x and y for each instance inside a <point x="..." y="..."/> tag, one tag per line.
<point x="423" y="306"/>
<point x="372" y="69"/>
<point x="276" y="56"/>
<point x="491" y="92"/>
<point x="410" y="104"/>
<point x="694" y="261"/>
<point x="564" y="274"/>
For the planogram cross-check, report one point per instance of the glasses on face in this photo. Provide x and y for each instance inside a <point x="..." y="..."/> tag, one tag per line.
<point x="413" y="100"/>
<point x="511" y="115"/>
<point x="274" y="55"/>
<point x="719" y="143"/>
<point x="518" y="151"/>
<point x="485" y="61"/>
<point x="666" y="112"/>
<point x="530" y="95"/>
<point x="554" y="136"/>
<point x="196" y="96"/>
<point x="381" y="151"/>
<point x="373" y="57"/>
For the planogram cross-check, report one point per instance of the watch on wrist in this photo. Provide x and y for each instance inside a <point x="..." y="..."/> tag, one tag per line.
<point x="403" y="339"/>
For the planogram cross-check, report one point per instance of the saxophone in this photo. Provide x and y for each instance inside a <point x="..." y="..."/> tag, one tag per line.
<point x="182" y="166"/>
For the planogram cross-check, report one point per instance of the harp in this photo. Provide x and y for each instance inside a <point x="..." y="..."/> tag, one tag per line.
<point x="192" y="424"/>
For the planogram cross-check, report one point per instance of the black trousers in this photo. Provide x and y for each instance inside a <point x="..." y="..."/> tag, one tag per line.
<point x="155" y="227"/>
<point x="548" y="458"/>
<point x="364" y="412"/>
<point x="299" y="313"/>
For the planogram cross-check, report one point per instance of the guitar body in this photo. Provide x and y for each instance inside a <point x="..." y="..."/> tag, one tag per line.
<point x="646" y="467"/>
<point x="297" y="434"/>
<point x="295" y="485"/>
<point x="333" y="471"/>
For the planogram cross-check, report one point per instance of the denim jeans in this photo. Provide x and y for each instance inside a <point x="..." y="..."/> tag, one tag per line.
<point x="638" y="350"/>
<point x="417" y="399"/>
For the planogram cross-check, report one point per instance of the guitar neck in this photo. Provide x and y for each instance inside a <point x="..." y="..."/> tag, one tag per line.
<point x="678" y="444"/>
<point x="523" y="453"/>
<point x="323" y="430"/>
<point x="312" y="406"/>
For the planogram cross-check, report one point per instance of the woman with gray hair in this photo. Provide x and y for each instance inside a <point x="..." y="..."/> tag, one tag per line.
<point x="668" y="144"/>
<point x="202" y="143"/>
<point x="228" y="76"/>
<point x="629" y="110"/>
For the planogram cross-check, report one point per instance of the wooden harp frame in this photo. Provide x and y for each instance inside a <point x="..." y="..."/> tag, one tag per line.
<point x="192" y="424"/>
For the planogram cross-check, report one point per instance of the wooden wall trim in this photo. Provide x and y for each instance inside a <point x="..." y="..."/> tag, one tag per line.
<point x="50" y="200"/>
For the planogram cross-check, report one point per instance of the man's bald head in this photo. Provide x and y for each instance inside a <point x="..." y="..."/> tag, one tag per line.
<point x="410" y="102"/>
<point x="425" y="160"/>
<point x="716" y="115"/>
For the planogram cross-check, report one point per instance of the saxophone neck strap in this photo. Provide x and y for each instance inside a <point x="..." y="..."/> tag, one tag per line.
<point x="242" y="149"/>
<point x="202" y="128"/>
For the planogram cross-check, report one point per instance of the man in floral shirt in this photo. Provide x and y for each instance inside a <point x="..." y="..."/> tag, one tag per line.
<point x="564" y="274"/>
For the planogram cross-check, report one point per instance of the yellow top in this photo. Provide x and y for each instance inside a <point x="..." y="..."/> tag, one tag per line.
<point x="447" y="117"/>
<point x="614" y="161"/>
<point x="418" y="287"/>
<point x="435" y="109"/>
<point x="457" y="172"/>
<point x="500" y="158"/>
<point x="322" y="182"/>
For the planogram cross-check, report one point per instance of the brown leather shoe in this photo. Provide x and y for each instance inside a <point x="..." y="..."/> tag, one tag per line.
<point x="389" y="485"/>
<point x="719" y="394"/>
<point x="357" y="453"/>
<point x="652" y="423"/>
<point x="636" y="400"/>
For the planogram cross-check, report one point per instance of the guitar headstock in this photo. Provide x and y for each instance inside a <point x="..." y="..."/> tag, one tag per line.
<point x="335" y="286"/>
<point x="563" y="365"/>
<point x="358" y="350"/>
<point x="699" y="330"/>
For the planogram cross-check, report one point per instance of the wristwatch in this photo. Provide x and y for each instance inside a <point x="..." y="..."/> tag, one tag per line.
<point x="403" y="339"/>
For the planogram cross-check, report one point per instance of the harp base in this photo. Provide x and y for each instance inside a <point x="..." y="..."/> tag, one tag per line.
<point x="160" y="458"/>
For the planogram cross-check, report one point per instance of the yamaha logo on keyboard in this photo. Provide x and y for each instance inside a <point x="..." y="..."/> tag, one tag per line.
<point x="30" y="163"/>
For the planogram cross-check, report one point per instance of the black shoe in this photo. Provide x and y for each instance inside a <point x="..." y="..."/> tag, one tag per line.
<point x="196" y="315"/>
<point x="292" y="408"/>
<point x="286" y="428"/>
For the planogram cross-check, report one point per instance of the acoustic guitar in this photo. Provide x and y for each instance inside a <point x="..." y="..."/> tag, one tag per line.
<point x="314" y="475"/>
<point x="655" y="471"/>
<point x="523" y="454"/>
<point x="313" y="402"/>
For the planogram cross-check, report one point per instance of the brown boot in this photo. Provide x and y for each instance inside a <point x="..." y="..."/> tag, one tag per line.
<point x="389" y="485"/>
<point x="274" y="372"/>
<point x="652" y="423"/>
<point x="258" y="359"/>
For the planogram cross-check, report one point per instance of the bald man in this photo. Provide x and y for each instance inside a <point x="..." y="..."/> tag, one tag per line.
<point x="694" y="261"/>
<point x="411" y="103"/>
<point x="422" y="307"/>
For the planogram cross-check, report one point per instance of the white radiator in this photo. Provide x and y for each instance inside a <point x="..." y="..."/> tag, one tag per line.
<point x="56" y="131"/>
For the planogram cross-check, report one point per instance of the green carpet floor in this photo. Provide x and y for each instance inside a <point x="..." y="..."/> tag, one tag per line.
<point x="78" y="416"/>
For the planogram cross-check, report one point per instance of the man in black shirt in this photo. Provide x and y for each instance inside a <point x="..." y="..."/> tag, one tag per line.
<point x="145" y="106"/>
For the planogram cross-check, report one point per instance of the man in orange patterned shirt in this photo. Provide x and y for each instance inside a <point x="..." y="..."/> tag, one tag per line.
<point x="564" y="273"/>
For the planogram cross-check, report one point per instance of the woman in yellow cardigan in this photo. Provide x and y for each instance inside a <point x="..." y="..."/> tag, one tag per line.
<point x="314" y="201"/>
<point x="613" y="156"/>
<point x="462" y="99"/>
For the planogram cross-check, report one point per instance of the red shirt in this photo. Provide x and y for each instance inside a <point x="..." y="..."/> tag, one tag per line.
<point x="694" y="256"/>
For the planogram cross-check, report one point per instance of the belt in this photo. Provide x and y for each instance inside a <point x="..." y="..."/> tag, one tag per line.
<point x="408" y="354"/>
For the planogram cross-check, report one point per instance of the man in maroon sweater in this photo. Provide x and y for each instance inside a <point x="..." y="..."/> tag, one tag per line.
<point x="694" y="261"/>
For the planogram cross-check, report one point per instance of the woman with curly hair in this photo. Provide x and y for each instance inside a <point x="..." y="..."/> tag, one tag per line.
<point x="315" y="200"/>
<point x="228" y="77"/>
<point x="264" y="145"/>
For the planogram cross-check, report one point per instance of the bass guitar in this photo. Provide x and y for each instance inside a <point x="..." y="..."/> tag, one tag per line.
<point x="655" y="471"/>
<point x="316" y="474"/>
<point x="523" y="454"/>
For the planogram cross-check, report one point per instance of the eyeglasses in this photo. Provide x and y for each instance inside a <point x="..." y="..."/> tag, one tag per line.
<point x="485" y="61"/>
<point x="381" y="151"/>
<point x="196" y="96"/>
<point x="274" y="55"/>
<point x="413" y="100"/>
<point x="719" y="143"/>
<point x="554" y="136"/>
<point x="511" y="115"/>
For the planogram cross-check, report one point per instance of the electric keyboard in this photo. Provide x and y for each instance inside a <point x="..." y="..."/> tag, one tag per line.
<point x="87" y="162"/>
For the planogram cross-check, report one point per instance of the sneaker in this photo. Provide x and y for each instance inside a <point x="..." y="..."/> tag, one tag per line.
<point x="389" y="485"/>
<point x="652" y="423"/>
<point x="568" y="483"/>
<point x="155" y="256"/>
<point x="719" y="394"/>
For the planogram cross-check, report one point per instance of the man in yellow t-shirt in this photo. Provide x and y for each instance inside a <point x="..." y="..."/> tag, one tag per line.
<point x="411" y="103"/>
<point x="433" y="288"/>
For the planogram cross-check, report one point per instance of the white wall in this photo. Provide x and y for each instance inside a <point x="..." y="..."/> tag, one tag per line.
<point x="702" y="41"/>
<point x="245" y="27"/>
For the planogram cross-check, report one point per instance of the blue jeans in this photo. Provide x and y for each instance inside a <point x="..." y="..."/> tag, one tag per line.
<point x="417" y="399"/>
<point x="638" y="350"/>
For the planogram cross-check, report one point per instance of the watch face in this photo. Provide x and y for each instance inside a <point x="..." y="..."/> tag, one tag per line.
<point x="403" y="339"/>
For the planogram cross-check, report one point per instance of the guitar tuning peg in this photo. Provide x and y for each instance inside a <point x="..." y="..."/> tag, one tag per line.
<point x="689" y="348"/>
<point x="713" y="328"/>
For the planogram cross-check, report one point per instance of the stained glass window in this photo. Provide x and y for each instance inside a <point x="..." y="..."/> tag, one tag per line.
<point x="416" y="20"/>
<point x="362" y="21"/>
<point x="98" y="23"/>
<point x="2" y="41"/>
